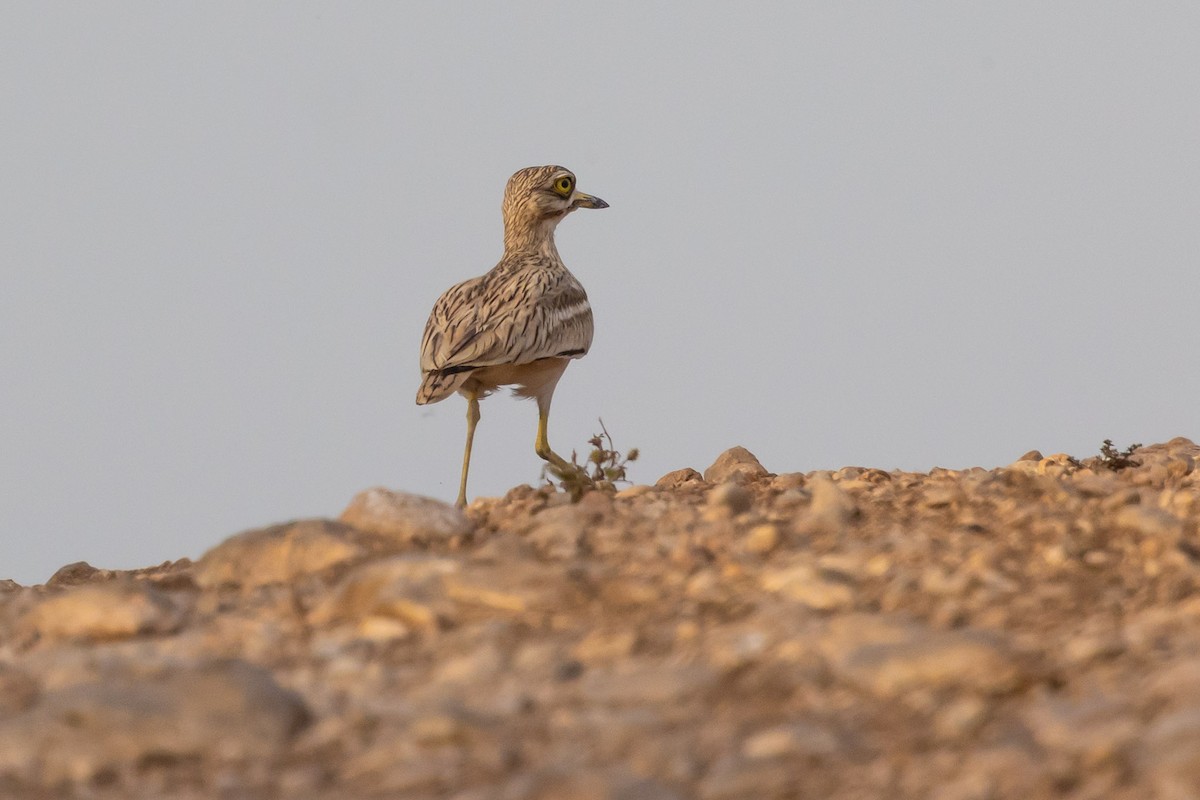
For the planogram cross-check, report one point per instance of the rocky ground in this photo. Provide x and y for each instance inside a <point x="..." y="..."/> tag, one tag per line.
<point x="1031" y="631"/>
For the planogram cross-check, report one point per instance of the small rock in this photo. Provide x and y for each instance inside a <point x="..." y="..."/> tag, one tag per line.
<point x="226" y="711"/>
<point x="382" y="629"/>
<point x="805" y="585"/>
<point x="791" y="500"/>
<point x="878" y="565"/>
<point x="113" y="610"/>
<point x="796" y="739"/>
<point x="436" y="729"/>
<point x="908" y="657"/>
<point x="1097" y="730"/>
<point x="405" y="588"/>
<point x="405" y="518"/>
<point x="961" y="717"/>
<point x="1027" y="463"/>
<point x="1169" y="754"/>
<point x="578" y="784"/>
<point x="1149" y="521"/>
<point x="1055" y="555"/>
<point x="1098" y="484"/>
<point x="581" y="785"/>
<point x="637" y="683"/>
<point x="644" y="789"/>
<point x="848" y="632"/>
<point x="77" y="573"/>
<point x="830" y="508"/>
<point x="702" y="585"/>
<point x="729" y="498"/>
<point x="1181" y="465"/>
<point x="1167" y="462"/>
<point x="278" y="554"/>
<point x="630" y="593"/>
<point x="559" y="533"/>
<point x="1093" y="644"/>
<point x="821" y="594"/>
<point x="939" y="581"/>
<point x="991" y="772"/>
<point x="941" y="497"/>
<point x="732" y="649"/>
<point x="762" y="539"/>
<point x="1177" y="683"/>
<point x="1057" y="464"/>
<point x="734" y="778"/>
<point x="843" y="565"/>
<point x="789" y="480"/>
<point x="18" y="691"/>
<point x="736" y="464"/>
<point x="878" y="476"/>
<point x="512" y="591"/>
<point x="601" y="645"/>
<point x="677" y="478"/>
<point x="473" y="667"/>
<point x="1119" y="498"/>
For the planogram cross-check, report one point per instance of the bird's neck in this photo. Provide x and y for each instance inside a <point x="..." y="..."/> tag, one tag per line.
<point x="535" y="238"/>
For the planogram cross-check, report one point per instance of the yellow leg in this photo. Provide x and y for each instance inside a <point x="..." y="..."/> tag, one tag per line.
<point x="542" y="445"/>
<point x="472" y="418"/>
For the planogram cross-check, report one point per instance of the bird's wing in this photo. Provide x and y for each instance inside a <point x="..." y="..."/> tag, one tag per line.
<point x="452" y="326"/>
<point x="512" y="318"/>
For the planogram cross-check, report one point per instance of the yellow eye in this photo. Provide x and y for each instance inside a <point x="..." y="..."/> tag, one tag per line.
<point x="563" y="185"/>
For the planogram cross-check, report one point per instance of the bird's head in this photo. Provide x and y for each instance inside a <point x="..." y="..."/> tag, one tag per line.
<point x="537" y="198"/>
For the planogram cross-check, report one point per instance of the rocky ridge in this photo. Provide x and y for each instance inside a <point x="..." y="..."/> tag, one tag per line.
<point x="1029" y="631"/>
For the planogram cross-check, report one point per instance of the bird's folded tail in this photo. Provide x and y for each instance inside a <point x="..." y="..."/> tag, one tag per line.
<point x="439" y="385"/>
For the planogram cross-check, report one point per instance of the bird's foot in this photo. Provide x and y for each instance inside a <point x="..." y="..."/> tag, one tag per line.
<point x="573" y="478"/>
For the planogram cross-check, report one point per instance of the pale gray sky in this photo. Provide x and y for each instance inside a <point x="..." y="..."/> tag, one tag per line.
<point x="896" y="235"/>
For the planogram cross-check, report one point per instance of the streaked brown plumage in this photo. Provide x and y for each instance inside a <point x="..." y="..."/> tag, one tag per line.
<point x="520" y="324"/>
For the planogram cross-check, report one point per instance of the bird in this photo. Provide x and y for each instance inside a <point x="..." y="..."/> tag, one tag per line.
<point x="519" y="324"/>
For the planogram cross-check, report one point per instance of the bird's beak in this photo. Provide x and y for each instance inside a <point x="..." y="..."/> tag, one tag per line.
<point x="581" y="200"/>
